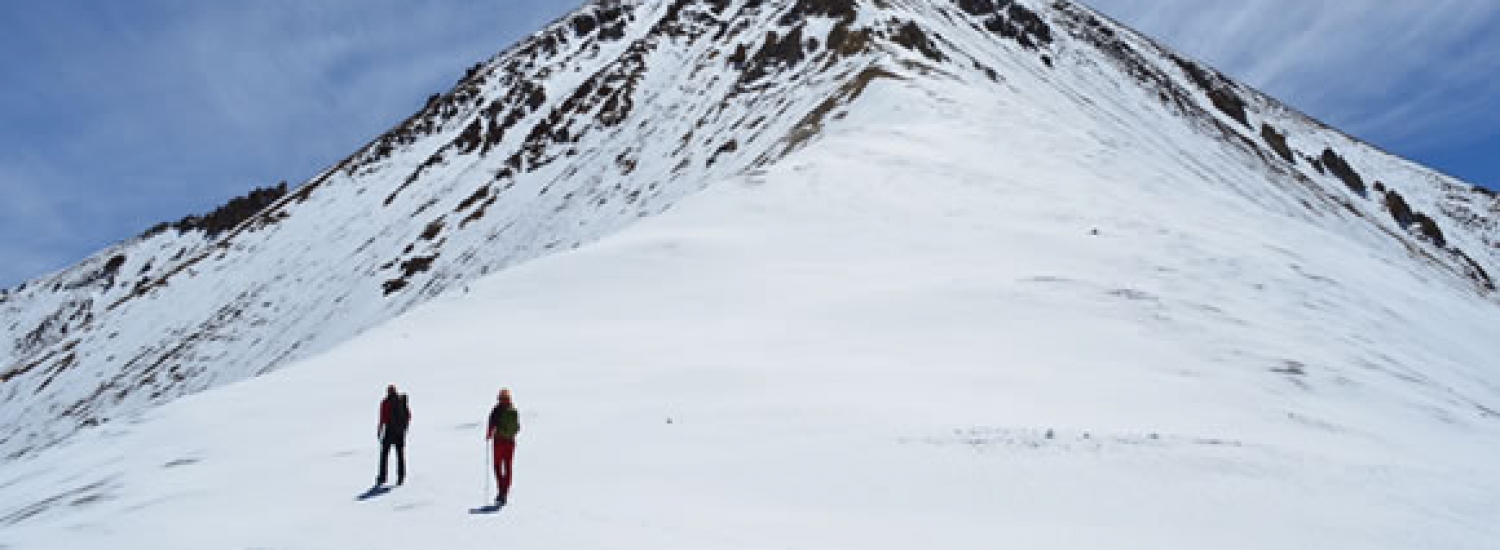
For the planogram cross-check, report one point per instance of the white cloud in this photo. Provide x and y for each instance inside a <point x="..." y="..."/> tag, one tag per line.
<point x="141" y="112"/>
<point x="149" y="111"/>
<point x="1396" y="71"/>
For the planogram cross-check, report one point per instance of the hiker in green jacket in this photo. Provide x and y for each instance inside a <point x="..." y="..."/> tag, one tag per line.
<point x="505" y="423"/>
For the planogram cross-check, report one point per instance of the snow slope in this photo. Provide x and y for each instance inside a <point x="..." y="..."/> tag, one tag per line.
<point x="623" y="108"/>
<point x="606" y="116"/>
<point x="967" y="316"/>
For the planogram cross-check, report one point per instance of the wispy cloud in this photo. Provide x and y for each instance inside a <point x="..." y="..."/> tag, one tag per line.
<point x="115" y="116"/>
<point x="1410" y="73"/>
<point x="148" y="111"/>
<point x="34" y="222"/>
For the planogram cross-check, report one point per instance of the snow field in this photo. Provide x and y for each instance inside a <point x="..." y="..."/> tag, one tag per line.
<point x="865" y="345"/>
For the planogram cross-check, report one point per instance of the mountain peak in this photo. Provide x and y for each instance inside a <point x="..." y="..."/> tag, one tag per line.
<point x="621" y="110"/>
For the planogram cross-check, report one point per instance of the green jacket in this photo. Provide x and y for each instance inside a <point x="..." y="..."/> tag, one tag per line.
<point x="505" y="422"/>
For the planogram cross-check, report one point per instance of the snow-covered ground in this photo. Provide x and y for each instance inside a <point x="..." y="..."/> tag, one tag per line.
<point x="621" y="109"/>
<point x="894" y="338"/>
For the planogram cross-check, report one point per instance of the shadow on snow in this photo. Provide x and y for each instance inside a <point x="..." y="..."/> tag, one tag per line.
<point x="486" y="509"/>
<point x="373" y="492"/>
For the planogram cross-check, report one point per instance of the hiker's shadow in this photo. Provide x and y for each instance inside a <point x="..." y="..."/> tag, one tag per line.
<point x="373" y="492"/>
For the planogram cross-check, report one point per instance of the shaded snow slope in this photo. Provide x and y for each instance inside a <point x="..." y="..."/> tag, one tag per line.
<point x="896" y="337"/>
<point x="621" y="109"/>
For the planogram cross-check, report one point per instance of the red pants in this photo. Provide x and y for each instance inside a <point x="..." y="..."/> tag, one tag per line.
<point x="505" y="452"/>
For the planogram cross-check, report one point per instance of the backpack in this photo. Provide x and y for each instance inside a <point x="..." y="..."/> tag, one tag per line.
<point x="400" y="415"/>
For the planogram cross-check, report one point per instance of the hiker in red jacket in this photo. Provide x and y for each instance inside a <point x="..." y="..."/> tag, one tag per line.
<point x="395" y="416"/>
<point x="505" y="423"/>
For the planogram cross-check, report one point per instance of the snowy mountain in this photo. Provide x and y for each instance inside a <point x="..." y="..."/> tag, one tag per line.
<point x="612" y="114"/>
<point x="1026" y="257"/>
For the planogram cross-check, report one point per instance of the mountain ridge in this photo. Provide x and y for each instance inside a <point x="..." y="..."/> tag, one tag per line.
<point x="609" y="114"/>
<point x="959" y="316"/>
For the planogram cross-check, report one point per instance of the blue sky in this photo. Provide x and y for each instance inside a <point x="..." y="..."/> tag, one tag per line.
<point x="117" y="115"/>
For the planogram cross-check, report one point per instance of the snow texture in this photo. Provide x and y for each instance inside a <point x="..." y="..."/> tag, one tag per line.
<point x="972" y="275"/>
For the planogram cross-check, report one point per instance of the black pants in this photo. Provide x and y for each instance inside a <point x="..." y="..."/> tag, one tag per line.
<point x="385" y="450"/>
